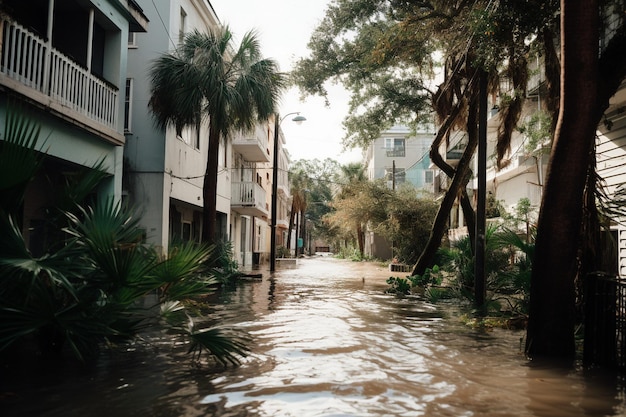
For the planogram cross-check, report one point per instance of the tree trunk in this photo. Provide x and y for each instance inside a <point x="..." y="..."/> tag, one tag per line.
<point x="298" y="232"/>
<point x="291" y="218"/>
<point x="459" y="180"/>
<point x="551" y="316"/>
<point x="302" y="229"/>
<point x="360" y="240"/>
<point x="552" y="71"/>
<point x="209" y="190"/>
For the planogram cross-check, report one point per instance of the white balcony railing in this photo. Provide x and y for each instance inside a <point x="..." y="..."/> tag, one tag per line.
<point x="28" y="59"/>
<point x="248" y="194"/>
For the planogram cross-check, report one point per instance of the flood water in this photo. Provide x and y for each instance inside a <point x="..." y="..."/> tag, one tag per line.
<point x="326" y="341"/>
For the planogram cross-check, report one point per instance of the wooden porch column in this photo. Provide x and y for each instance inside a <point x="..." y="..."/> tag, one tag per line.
<point x="90" y="39"/>
<point x="48" y="55"/>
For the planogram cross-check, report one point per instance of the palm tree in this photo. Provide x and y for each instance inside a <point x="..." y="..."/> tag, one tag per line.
<point x="206" y="77"/>
<point x="299" y="183"/>
<point x="353" y="177"/>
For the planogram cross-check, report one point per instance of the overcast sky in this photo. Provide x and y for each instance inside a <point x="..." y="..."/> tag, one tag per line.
<point x="284" y="28"/>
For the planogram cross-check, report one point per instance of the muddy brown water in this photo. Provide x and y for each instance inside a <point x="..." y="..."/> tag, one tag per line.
<point x="326" y="341"/>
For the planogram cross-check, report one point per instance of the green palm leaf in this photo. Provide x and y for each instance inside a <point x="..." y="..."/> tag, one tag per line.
<point x="181" y="273"/>
<point x="222" y="343"/>
<point x="20" y="156"/>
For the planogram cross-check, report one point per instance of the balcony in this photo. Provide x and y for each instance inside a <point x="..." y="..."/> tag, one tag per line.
<point x="31" y="67"/>
<point x="249" y="199"/>
<point x="395" y="152"/>
<point x="253" y="146"/>
<point x="283" y="183"/>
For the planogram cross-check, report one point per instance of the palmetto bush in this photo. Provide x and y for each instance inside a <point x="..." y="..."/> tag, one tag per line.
<point x="507" y="269"/>
<point x="90" y="286"/>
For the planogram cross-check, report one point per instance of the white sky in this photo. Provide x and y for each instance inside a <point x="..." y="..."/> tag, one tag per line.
<point x="284" y="28"/>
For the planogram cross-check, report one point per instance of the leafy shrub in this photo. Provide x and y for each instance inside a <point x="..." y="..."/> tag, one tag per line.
<point x="399" y="285"/>
<point x="88" y="286"/>
<point x="283" y="252"/>
<point x="430" y="277"/>
<point x="507" y="270"/>
<point x="406" y="285"/>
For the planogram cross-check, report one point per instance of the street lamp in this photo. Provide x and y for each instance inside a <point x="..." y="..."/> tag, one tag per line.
<point x="298" y="119"/>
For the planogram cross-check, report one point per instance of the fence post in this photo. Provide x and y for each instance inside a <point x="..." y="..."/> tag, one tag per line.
<point x="601" y="319"/>
<point x="589" y="343"/>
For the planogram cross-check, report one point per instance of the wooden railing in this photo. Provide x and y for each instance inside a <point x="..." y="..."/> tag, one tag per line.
<point x="28" y="59"/>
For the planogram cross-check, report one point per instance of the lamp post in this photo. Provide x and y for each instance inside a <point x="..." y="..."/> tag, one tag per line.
<point x="277" y="121"/>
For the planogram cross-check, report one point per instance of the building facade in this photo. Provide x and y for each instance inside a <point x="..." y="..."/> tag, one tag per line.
<point x="71" y="78"/>
<point x="611" y="163"/>
<point x="164" y="170"/>
<point x="399" y="156"/>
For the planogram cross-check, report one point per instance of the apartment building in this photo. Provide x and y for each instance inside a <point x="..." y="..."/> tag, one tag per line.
<point x="252" y="194"/>
<point x="399" y="156"/>
<point x="71" y="78"/>
<point x="164" y="170"/>
<point x="526" y="166"/>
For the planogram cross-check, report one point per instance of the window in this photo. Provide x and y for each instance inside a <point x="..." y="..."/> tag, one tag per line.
<point x="132" y="39"/>
<point x="429" y="176"/>
<point x="183" y="23"/>
<point x="128" y="97"/>
<point x="187" y="236"/>
<point x="395" y="147"/>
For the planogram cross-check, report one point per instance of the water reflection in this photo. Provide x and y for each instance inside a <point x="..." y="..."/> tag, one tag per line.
<point x="327" y="341"/>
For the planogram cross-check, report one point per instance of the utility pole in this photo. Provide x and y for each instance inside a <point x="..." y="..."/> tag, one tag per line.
<point x="479" y="264"/>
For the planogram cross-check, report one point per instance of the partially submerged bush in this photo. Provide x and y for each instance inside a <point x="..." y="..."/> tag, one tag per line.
<point x="89" y="285"/>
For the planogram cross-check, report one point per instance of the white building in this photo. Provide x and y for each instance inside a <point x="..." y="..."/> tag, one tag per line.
<point x="523" y="176"/>
<point x="611" y="166"/>
<point x="251" y="204"/>
<point x="164" y="170"/>
<point x="400" y="156"/>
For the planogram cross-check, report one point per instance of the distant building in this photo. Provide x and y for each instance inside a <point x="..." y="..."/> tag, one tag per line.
<point x="252" y="194"/>
<point x="399" y="156"/>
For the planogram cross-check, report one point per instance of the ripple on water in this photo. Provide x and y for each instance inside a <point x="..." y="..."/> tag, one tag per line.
<point x="327" y="341"/>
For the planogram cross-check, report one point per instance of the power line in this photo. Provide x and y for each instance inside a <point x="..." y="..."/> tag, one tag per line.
<point x="167" y="31"/>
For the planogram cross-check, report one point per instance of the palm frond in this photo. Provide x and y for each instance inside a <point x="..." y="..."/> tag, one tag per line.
<point x="19" y="268"/>
<point x="78" y="187"/>
<point x="181" y="273"/>
<point x="225" y="345"/>
<point x="20" y="156"/>
<point x="510" y="238"/>
<point x="105" y="225"/>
